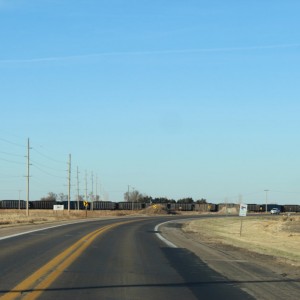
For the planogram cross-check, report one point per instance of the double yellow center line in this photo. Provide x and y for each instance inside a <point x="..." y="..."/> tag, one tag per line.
<point x="39" y="281"/>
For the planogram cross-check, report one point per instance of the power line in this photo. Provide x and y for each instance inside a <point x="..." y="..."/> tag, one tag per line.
<point x="44" y="166"/>
<point x="48" y="157"/>
<point x="12" y="161"/>
<point x="12" y="143"/>
<point x="11" y="154"/>
<point x="7" y="177"/>
<point x="45" y="184"/>
<point x="9" y="190"/>
<point x="45" y="172"/>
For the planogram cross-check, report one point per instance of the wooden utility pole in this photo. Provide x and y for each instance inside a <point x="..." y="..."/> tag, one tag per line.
<point x="96" y="187"/>
<point x="28" y="175"/>
<point x="86" y="196"/>
<point x="266" y="200"/>
<point x="69" y="185"/>
<point x="77" y="188"/>
<point x="92" y="196"/>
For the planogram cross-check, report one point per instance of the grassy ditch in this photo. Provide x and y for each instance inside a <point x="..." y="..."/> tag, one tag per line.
<point x="278" y="236"/>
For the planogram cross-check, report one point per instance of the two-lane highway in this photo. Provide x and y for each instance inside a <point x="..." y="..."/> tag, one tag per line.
<point x="111" y="259"/>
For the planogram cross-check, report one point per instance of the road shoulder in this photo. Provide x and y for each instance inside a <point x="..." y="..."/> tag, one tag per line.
<point x="259" y="275"/>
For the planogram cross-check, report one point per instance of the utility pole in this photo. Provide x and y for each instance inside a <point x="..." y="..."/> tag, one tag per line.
<point x="28" y="175"/>
<point x="132" y="198"/>
<point x="128" y="194"/>
<point x="240" y="199"/>
<point x="96" y="186"/>
<point x="100" y="190"/>
<point x="77" y="189"/>
<point x="86" y="197"/>
<point x="69" y="185"/>
<point x="92" y="198"/>
<point x="19" y="198"/>
<point x="266" y="200"/>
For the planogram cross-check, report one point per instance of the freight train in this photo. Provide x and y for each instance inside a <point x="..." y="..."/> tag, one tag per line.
<point x="107" y="205"/>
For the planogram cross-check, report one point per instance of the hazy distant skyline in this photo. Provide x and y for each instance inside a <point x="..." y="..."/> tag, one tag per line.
<point x="176" y="99"/>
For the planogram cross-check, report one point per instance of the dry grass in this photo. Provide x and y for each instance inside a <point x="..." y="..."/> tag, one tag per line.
<point x="10" y="217"/>
<point x="15" y="216"/>
<point x="277" y="236"/>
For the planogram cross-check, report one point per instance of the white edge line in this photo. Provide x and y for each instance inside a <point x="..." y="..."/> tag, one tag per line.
<point x="168" y="243"/>
<point x="41" y="229"/>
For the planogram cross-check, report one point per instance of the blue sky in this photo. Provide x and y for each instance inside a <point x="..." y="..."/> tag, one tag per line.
<point x="174" y="98"/>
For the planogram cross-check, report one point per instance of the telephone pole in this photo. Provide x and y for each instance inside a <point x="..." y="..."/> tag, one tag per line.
<point x="28" y="175"/>
<point x="19" y="198"/>
<point x="77" y="189"/>
<point x="266" y="200"/>
<point x="92" y="198"/>
<point x="69" y="185"/>
<point x="86" y="197"/>
<point x="96" y="186"/>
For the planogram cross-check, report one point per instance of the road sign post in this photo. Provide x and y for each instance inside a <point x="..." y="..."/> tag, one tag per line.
<point x="243" y="213"/>
<point x="86" y="204"/>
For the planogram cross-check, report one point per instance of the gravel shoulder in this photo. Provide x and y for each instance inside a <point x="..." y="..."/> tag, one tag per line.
<point x="260" y="275"/>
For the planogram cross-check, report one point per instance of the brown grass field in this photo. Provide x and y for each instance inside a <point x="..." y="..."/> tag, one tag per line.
<point x="278" y="236"/>
<point x="13" y="217"/>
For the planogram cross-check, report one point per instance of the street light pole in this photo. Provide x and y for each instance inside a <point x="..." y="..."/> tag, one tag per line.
<point x="266" y="200"/>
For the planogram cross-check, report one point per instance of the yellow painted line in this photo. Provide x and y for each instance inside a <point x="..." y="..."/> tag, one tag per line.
<point x="39" y="281"/>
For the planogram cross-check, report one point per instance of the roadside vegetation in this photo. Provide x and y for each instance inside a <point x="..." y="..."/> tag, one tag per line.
<point x="9" y="217"/>
<point x="278" y="236"/>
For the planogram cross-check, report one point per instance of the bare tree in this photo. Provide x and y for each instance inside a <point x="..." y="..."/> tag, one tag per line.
<point x="63" y="197"/>
<point x="134" y="196"/>
<point x="51" y="197"/>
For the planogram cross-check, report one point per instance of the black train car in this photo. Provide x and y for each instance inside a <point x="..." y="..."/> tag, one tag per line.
<point x="253" y="208"/>
<point x="291" y="208"/>
<point x="183" y="206"/>
<point x="206" y="207"/>
<point x="41" y="204"/>
<point x="104" y="205"/>
<point x="13" y="204"/>
<point x="129" y="206"/>
<point x="73" y="205"/>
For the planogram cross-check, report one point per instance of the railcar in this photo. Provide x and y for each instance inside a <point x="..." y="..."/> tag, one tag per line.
<point x="12" y="204"/>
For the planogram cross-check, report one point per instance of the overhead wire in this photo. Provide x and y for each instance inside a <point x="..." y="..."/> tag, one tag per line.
<point x="44" y="166"/>
<point x="35" y="164"/>
<point x="12" y="143"/>
<point x="12" y="161"/>
<point x="11" y="154"/>
<point x="46" y="156"/>
<point x="49" y="174"/>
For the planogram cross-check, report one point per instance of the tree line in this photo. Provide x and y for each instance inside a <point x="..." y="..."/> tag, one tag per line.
<point x="63" y="197"/>
<point x="133" y="196"/>
<point x="136" y="196"/>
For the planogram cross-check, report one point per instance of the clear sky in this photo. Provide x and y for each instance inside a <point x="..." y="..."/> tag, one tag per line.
<point x="174" y="98"/>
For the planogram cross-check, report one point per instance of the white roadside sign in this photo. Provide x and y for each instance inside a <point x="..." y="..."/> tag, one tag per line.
<point x="58" y="207"/>
<point x="243" y="210"/>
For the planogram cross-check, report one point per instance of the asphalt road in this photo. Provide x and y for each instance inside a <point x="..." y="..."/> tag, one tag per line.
<point x="106" y="260"/>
